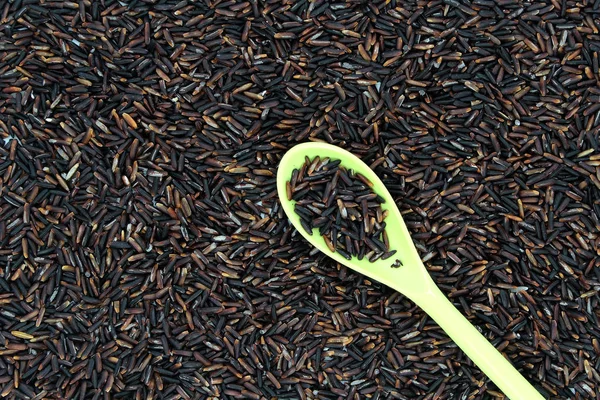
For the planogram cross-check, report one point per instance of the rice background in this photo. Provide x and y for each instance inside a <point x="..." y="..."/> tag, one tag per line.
<point x="143" y="252"/>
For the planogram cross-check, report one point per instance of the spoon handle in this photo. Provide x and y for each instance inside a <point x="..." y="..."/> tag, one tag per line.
<point x="476" y="346"/>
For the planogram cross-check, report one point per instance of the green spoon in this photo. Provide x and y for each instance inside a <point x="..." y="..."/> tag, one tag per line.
<point x="411" y="279"/>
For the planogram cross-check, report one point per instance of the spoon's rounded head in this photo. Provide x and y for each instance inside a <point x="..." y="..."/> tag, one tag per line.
<point x="385" y="271"/>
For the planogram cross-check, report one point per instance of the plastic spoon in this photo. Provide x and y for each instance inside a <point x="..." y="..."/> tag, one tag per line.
<point x="411" y="279"/>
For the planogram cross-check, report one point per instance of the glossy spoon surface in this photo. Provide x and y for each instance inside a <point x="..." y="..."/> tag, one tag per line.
<point x="412" y="278"/>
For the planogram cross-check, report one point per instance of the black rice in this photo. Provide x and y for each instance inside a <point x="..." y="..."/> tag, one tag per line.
<point x="144" y="254"/>
<point x="341" y="204"/>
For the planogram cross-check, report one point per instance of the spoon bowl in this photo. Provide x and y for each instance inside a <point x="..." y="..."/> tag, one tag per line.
<point x="411" y="278"/>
